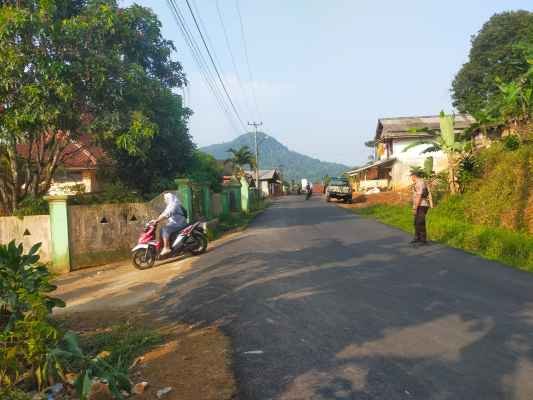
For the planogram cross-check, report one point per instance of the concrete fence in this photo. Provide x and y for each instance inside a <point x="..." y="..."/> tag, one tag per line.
<point x="28" y="231"/>
<point x="80" y="236"/>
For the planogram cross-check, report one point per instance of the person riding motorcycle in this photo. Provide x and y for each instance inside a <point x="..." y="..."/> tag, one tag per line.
<point x="308" y="191"/>
<point x="176" y="220"/>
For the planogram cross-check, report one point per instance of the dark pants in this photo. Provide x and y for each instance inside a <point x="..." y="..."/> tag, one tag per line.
<point x="420" y="223"/>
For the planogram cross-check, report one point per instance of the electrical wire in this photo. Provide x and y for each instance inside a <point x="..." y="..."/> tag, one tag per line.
<point x="200" y="61"/>
<point x="215" y="66"/>
<point x="232" y="56"/>
<point x="254" y="97"/>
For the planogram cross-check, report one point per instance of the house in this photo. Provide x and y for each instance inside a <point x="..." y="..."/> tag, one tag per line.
<point x="77" y="168"/>
<point x="270" y="183"/>
<point x="392" y="165"/>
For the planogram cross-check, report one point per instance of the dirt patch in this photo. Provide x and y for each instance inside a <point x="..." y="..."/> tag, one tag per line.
<point x="195" y="362"/>
<point x="361" y="200"/>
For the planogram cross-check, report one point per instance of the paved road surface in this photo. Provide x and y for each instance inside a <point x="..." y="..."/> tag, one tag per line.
<point x="321" y="304"/>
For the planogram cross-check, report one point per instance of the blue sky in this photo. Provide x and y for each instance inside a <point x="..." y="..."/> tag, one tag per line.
<point x="324" y="71"/>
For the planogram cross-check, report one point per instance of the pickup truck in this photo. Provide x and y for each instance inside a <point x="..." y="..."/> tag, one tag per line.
<point x="339" y="188"/>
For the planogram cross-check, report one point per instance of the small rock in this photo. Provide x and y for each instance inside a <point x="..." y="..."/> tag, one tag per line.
<point x="139" y="388"/>
<point x="136" y="362"/>
<point x="124" y="394"/>
<point x="103" y="354"/>
<point x="100" y="391"/>
<point x="254" y="352"/>
<point x="54" y="389"/>
<point x="70" y="378"/>
<point x="161" y="392"/>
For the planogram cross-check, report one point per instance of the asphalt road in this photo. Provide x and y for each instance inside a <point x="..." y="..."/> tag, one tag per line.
<point x="322" y="304"/>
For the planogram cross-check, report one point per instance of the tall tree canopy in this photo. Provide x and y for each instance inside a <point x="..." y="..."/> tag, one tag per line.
<point x="86" y="68"/>
<point x="497" y="55"/>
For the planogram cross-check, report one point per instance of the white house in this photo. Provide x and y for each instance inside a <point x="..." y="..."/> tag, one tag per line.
<point x="392" y="165"/>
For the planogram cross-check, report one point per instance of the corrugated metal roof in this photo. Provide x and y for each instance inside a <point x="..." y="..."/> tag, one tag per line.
<point x="400" y="126"/>
<point x="376" y="164"/>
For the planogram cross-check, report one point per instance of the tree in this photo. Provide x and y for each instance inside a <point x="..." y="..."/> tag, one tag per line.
<point x="88" y="69"/>
<point x="494" y="56"/>
<point x="241" y="157"/>
<point x="512" y="106"/>
<point x="205" y="169"/>
<point x="444" y="140"/>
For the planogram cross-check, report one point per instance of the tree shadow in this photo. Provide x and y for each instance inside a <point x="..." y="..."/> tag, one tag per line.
<point x="364" y="317"/>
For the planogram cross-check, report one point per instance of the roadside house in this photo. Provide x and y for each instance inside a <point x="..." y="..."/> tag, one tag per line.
<point x="392" y="165"/>
<point x="77" y="168"/>
<point x="270" y="183"/>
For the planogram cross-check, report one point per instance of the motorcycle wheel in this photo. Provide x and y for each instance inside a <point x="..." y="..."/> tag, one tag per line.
<point x="143" y="259"/>
<point x="201" y="241"/>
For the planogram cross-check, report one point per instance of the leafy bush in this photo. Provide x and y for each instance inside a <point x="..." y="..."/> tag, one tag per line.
<point x="511" y="143"/>
<point x="110" y="193"/>
<point x="31" y="206"/>
<point x="469" y="168"/>
<point x="34" y="352"/>
<point x="26" y="335"/>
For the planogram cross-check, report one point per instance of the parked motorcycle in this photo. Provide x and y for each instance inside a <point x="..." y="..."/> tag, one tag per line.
<point x="190" y="239"/>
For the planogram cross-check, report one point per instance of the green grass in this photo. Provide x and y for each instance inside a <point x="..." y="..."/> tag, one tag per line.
<point x="231" y="222"/>
<point x="124" y="342"/>
<point x="511" y="248"/>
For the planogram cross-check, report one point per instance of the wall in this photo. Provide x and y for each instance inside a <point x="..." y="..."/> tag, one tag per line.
<point x="104" y="233"/>
<point x="216" y="204"/>
<point x="412" y="157"/>
<point x="37" y="229"/>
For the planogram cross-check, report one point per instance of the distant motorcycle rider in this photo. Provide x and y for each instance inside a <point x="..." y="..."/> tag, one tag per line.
<point x="176" y="220"/>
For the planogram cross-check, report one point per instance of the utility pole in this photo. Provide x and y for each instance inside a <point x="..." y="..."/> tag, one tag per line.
<point x="256" y="125"/>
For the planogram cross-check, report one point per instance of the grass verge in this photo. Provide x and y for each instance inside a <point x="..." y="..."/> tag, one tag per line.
<point x="236" y="221"/>
<point x="511" y="248"/>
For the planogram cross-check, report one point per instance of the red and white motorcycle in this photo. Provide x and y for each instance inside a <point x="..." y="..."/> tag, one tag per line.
<point x="192" y="239"/>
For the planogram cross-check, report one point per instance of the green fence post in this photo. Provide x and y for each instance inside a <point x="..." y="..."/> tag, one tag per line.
<point x="237" y="194"/>
<point x="59" y="233"/>
<point x="185" y="192"/>
<point x="224" y="200"/>
<point x="206" y="201"/>
<point x="245" y="195"/>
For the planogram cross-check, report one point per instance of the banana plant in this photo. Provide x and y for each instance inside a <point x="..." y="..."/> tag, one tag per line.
<point x="444" y="140"/>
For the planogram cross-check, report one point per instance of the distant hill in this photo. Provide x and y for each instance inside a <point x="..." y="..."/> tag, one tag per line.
<point x="273" y="154"/>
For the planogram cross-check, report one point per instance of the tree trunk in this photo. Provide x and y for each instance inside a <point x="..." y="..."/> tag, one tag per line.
<point x="451" y="173"/>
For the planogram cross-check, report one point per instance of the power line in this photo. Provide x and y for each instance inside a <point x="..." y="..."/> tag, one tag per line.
<point x="214" y="66"/>
<point x="254" y="97"/>
<point x="200" y="61"/>
<point x="236" y="69"/>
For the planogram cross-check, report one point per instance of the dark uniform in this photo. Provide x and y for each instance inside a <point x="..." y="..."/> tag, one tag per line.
<point x="420" y="189"/>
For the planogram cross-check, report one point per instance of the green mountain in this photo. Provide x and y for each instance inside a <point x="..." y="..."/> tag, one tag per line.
<point x="273" y="154"/>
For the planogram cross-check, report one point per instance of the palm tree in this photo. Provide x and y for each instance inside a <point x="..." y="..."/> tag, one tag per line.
<point x="445" y="140"/>
<point x="240" y="158"/>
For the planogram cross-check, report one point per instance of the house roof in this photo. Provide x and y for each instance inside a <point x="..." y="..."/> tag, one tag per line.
<point x="379" y="163"/>
<point x="399" y="127"/>
<point x="79" y="154"/>
<point x="267" y="174"/>
<point x="264" y="174"/>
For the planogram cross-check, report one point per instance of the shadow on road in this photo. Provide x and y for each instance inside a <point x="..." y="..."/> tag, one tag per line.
<point x="341" y="318"/>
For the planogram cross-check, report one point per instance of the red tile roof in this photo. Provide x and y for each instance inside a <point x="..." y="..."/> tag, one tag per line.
<point x="79" y="154"/>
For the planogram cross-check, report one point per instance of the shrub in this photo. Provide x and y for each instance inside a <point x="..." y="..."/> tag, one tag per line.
<point x="34" y="352"/>
<point x="31" y="206"/>
<point x="110" y="193"/>
<point x="26" y="334"/>
<point x="511" y="143"/>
